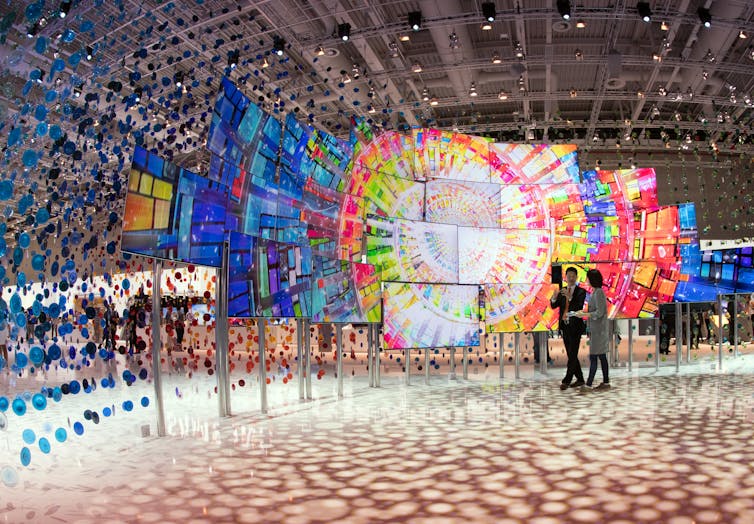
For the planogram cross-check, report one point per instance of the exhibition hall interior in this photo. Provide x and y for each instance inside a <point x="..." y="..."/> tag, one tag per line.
<point x="357" y="261"/>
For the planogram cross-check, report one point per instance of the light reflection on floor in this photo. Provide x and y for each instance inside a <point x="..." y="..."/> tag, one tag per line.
<point x="659" y="447"/>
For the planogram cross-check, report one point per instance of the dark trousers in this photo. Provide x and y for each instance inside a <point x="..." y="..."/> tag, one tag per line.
<point x="593" y="369"/>
<point x="572" y="342"/>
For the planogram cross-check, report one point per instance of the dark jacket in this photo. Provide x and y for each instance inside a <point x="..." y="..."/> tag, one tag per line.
<point x="575" y="325"/>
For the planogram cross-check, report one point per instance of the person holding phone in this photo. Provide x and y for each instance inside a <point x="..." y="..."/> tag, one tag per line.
<point x="570" y="298"/>
<point x="598" y="332"/>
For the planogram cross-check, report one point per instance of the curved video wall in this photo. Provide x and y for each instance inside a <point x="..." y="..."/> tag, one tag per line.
<point x="414" y="230"/>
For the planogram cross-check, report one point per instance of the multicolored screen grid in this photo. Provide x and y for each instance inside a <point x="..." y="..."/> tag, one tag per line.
<point x="430" y="215"/>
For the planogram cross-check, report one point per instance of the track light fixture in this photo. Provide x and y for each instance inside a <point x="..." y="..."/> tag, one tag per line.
<point x="393" y="50"/>
<point x="233" y="57"/>
<point x="519" y="50"/>
<point x="564" y="8"/>
<point x="664" y="26"/>
<point x="704" y="16"/>
<point x="433" y="101"/>
<point x="425" y="94"/>
<point x="496" y="58"/>
<point x="417" y="67"/>
<point x="742" y="34"/>
<point x="278" y="45"/>
<point x="415" y="20"/>
<point x="137" y="94"/>
<point x="178" y="78"/>
<point x="356" y="71"/>
<point x="580" y="24"/>
<point x="453" y="38"/>
<point x="502" y="95"/>
<point x="645" y="12"/>
<point x="472" y="89"/>
<point x="65" y="8"/>
<point x="344" y="31"/>
<point x="320" y="50"/>
<point x="89" y="52"/>
<point x="265" y="63"/>
<point x="488" y="11"/>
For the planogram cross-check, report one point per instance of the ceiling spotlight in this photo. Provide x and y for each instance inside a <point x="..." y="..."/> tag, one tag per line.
<point x="709" y="57"/>
<point x="519" y="50"/>
<point x="137" y="94"/>
<point x="488" y="11"/>
<point x="655" y="111"/>
<point x="472" y="89"/>
<point x="417" y="67"/>
<point x="496" y="58"/>
<point x="453" y="37"/>
<point x="662" y="91"/>
<point x="344" y="31"/>
<point x="564" y="8"/>
<point x="32" y="30"/>
<point x="742" y="34"/>
<point x="486" y="26"/>
<point x="664" y="26"/>
<point x="393" y="50"/>
<point x="371" y="109"/>
<point x="278" y="45"/>
<point x="704" y="16"/>
<point x="579" y="55"/>
<point x="530" y="135"/>
<point x="596" y="137"/>
<point x="433" y="102"/>
<point x="425" y="94"/>
<point x="415" y="20"/>
<point x="502" y="95"/>
<point x="574" y="94"/>
<point x="178" y="78"/>
<point x="265" y="63"/>
<point x="76" y="91"/>
<point x="345" y="79"/>
<point x="645" y="12"/>
<point x="89" y="52"/>
<point x="405" y="37"/>
<point x="640" y="94"/>
<point x="751" y="53"/>
<point x="65" y="8"/>
<point x="320" y="51"/>
<point x="580" y="24"/>
<point x="233" y="57"/>
<point x="356" y="71"/>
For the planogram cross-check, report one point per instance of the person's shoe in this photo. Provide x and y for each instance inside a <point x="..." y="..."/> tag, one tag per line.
<point x="602" y="387"/>
<point x="577" y="384"/>
<point x="585" y="389"/>
<point x="563" y="386"/>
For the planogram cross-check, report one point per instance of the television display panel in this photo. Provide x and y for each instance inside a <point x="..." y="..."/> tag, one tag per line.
<point x="463" y="203"/>
<point x="345" y="292"/>
<point x="268" y="279"/>
<point x="430" y="315"/>
<point x="172" y="213"/>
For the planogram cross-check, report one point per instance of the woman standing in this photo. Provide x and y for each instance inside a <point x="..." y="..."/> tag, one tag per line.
<point x="598" y="332"/>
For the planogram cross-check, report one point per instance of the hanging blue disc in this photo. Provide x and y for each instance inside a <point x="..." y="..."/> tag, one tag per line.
<point x="6" y="189"/>
<point x="61" y="434"/>
<point x="25" y="456"/>
<point x="44" y="445"/>
<point x="36" y="355"/>
<point x="19" y="407"/>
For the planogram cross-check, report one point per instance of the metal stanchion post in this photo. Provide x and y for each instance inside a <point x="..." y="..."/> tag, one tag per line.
<point x="501" y="353"/>
<point x="689" y="334"/>
<point x="300" y="354"/>
<point x="370" y="354"/>
<point x="678" y="335"/>
<point x="630" y="345"/>
<point x="721" y="319"/>
<point x="261" y="324"/>
<point x="734" y="319"/>
<point x="517" y="350"/>
<point x="542" y="351"/>
<point x="465" y="350"/>
<point x="221" y="335"/>
<point x="156" y="346"/>
<point x="452" y="364"/>
<point x="426" y="365"/>
<point x="308" y="359"/>
<point x="408" y="365"/>
<point x="377" y="356"/>
<point x="339" y="348"/>
<point x="657" y="343"/>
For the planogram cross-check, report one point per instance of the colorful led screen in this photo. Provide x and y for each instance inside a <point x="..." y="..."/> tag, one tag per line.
<point x="430" y="315"/>
<point x="345" y="292"/>
<point x="172" y="213"/>
<point x="268" y="279"/>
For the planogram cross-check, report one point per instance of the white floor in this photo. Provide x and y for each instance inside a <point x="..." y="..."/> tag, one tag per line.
<point x="658" y="447"/>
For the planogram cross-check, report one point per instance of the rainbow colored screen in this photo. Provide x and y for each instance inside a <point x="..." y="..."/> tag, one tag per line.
<point x="432" y="215"/>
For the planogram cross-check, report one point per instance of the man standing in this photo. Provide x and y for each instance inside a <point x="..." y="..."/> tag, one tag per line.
<point x="570" y="298"/>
